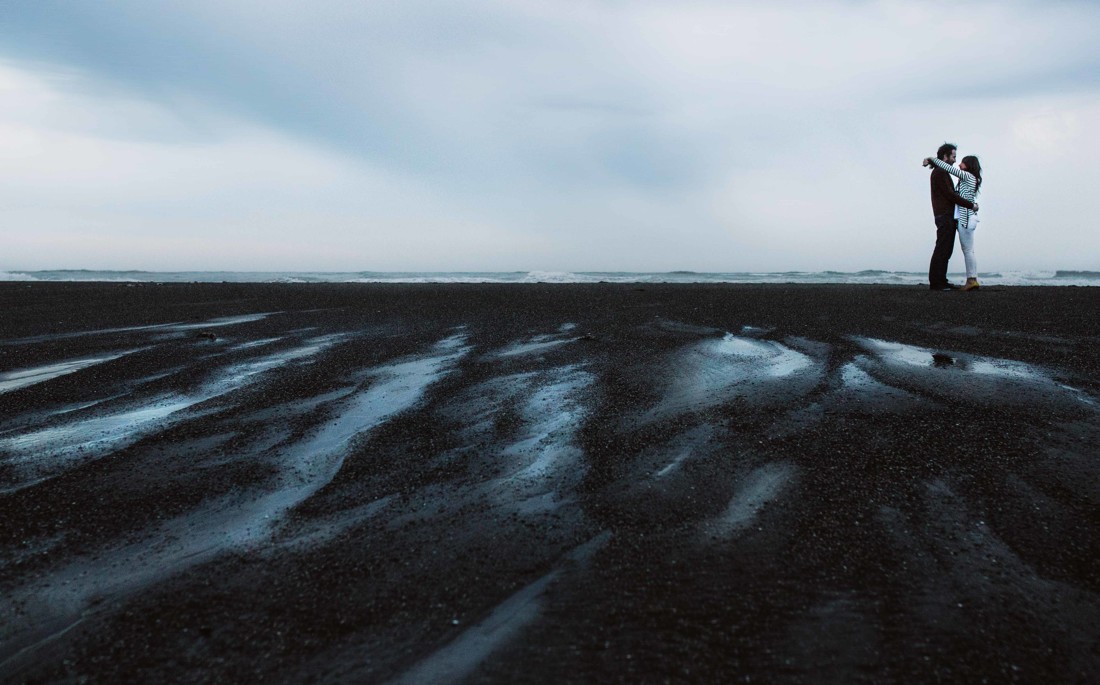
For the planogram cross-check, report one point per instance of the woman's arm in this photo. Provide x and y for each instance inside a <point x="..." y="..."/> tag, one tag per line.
<point x="941" y="185"/>
<point x="949" y="191"/>
<point x="950" y="169"/>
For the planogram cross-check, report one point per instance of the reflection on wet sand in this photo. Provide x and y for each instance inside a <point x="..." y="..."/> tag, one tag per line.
<point x="716" y="371"/>
<point x="219" y="322"/>
<point x="13" y="380"/>
<point x="759" y="487"/>
<point x="432" y="461"/>
<point x="963" y="377"/>
<point x="38" y="454"/>
<point x="231" y="523"/>
<point x="461" y="657"/>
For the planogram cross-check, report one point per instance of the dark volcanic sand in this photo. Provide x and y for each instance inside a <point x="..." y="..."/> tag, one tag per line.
<point x="549" y="483"/>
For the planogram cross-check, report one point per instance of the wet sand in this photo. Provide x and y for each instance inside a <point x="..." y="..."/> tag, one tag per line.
<point x="548" y="483"/>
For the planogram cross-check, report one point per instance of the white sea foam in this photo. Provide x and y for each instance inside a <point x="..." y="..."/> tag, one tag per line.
<point x="16" y="276"/>
<point x="1078" y="278"/>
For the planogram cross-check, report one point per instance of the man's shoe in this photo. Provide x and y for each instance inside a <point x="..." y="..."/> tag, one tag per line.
<point x="946" y="288"/>
<point x="954" y="286"/>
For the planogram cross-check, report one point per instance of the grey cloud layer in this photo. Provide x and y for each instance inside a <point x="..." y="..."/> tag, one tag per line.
<point x="568" y="89"/>
<point x="514" y="105"/>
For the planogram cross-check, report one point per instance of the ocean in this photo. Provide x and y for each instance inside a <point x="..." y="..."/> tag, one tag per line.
<point x="1077" y="278"/>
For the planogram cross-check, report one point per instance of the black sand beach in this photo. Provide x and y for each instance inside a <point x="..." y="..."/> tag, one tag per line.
<point x="548" y="483"/>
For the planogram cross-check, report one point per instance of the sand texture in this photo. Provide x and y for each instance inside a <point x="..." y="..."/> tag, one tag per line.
<point x="548" y="483"/>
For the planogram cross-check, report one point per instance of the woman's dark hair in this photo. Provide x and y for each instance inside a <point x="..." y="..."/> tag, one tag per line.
<point x="945" y="149"/>
<point x="974" y="167"/>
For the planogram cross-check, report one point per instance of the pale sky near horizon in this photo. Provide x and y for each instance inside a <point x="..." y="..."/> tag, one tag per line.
<point x="533" y="135"/>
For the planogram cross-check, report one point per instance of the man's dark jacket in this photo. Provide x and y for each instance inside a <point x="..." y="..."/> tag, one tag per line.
<point x="944" y="197"/>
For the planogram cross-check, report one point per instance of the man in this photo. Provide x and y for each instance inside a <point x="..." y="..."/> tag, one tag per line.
<point x="944" y="199"/>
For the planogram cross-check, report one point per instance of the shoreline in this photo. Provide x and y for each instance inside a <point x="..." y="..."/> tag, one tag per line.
<point x="1065" y="277"/>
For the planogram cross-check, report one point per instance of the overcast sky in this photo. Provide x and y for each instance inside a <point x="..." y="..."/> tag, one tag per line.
<point x="532" y="135"/>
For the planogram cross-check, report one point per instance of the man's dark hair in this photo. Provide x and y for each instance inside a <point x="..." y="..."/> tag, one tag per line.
<point x="945" y="150"/>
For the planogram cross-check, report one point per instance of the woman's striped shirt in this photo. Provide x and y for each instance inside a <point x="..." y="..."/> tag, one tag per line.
<point x="968" y="187"/>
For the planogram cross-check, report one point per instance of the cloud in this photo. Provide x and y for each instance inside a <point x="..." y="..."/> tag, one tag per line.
<point x="233" y="195"/>
<point x="551" y="135"/>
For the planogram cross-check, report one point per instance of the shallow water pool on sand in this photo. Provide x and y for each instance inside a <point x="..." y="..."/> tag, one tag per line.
<point x="945" y="373"/>
<point x="13" y="380"/>
<point x="712" y="372"/>
<point x="44" y="452"/>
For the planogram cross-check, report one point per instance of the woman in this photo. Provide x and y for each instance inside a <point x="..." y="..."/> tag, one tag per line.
<point x="969" y="174"/>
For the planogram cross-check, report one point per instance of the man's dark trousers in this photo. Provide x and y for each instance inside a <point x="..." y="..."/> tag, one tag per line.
<point x="945" y="245"/>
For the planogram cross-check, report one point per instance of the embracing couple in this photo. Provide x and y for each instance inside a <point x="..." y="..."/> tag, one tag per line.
<point x="955" y="211"/>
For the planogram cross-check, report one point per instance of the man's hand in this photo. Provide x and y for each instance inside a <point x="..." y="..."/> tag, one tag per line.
<point x="927" y="162"/>
<point x="975" y="207"/>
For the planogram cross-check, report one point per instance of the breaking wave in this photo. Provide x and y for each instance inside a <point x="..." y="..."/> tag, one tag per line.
<point x="867" y="277"/>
